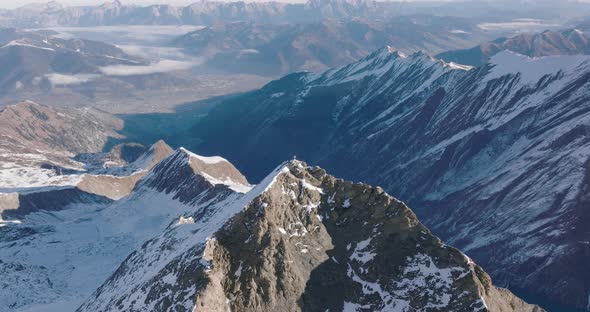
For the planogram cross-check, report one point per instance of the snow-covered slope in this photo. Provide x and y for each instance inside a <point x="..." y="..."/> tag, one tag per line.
<point x="301" y="240"/>
<point x="51" y="259"/>
<point x="494" y="159"/>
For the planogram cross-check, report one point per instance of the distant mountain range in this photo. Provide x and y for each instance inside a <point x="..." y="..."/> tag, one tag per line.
<point x="566" y="42"/>
<point x="270" y="49"/>
<point x="494" y="159"/>
<point x="199" y="13"/>
<point x="205" y="12"/>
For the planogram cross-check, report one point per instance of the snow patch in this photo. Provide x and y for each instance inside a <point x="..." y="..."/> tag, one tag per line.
<point x="361" y="252"/>
<point x="238" y="272"/>
<point x="24" y="44"/>
<point x="182" y="220"/>
<point x="312" y="187"/>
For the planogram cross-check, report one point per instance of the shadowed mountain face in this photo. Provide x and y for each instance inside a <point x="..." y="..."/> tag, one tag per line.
<point x="568" y="42"/>
<point x="494" y="159"/>
<point x="268" y="49"/>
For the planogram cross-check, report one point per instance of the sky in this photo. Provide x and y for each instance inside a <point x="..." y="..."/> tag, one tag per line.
<point x="17" y="3"/>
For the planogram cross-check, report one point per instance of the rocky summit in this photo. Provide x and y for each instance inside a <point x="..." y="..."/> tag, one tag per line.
<point x="301" y="240"/>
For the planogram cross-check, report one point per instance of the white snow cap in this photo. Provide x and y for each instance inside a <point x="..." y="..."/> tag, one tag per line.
<point x="532" y="69"/>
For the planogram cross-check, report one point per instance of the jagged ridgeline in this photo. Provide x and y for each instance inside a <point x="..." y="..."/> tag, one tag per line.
<point x="301" y="240"/>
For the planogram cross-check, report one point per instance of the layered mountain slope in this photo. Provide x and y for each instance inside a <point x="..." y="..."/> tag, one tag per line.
<point x="70" y="251"/>
<point x="494" y="159"/>
<point x="72" y="131"/>
<point x="301" y="240"/>
<point x="567" y="42"/>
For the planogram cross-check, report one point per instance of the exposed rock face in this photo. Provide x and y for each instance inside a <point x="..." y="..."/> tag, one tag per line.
<point x="156" y="153"/>
<point x="38" y="127"/>
<point x="493" y="159"/>
<point x="112" y="187"/>
<point x="118" y="182"/>
<point x="301" y="240"/>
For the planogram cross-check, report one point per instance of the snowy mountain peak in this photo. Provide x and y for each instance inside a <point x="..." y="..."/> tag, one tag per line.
<point x="301" y="233"/>
<point x="178" y="173"/>
<point x="387" y="62"/>
<point x="157" y="152"/>
<point x="385" y="53"/>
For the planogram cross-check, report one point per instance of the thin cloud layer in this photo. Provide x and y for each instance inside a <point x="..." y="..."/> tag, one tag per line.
<point x="159" y="67"/>
<point x="66" y="80"/>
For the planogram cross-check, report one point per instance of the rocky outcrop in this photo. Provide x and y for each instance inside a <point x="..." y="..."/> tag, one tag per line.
<point x="118" y="182"/>
<point x="186" y="175"/>
<point x="113" y="187"/>
<point x="301" y="240"/>
<point x="157" y="152"/>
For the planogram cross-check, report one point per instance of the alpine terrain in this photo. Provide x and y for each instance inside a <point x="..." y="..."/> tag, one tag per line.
<point x="301" y="240"/>
<point x="494" y="159"/>
<point x="263" y="155"/>
<point x="156" y="229"/>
